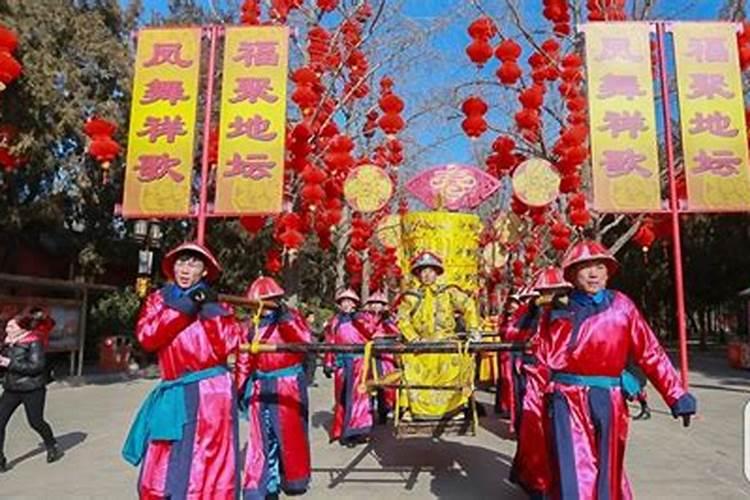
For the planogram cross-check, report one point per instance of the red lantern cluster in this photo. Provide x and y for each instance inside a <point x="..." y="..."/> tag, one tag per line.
<point x="560" y="236"/>
<point x="390" y="121"/>
<point x="289" y="228"/>
<point x="481" y="30"/>
<point x="8" y="160"/>
<point x="474" y="109"/>
<point x="645" y="235"/>
<point x="253" y="223"/>
<point x="606" y="10"/>
<point x="312" y="192"/>
<point x="578" y="214"/>
<point x="743" y="45"/>
<point x="308" y="89"/>
<point x="101" y="146"/>
<point x="339" y="156"/>
<point x="10" y="68"/>
<point x="529" y="120"/>
<point x="361" y="234"/>
<point x="319" y="49"/>
<point x="557" y="12"/>
<point x="327" y="5"/>
<point x="508" y="52"/>
<point x="250" y="12"/>
<point x="531" y="251"/>
<point x="503" y="159"/>
<point x="544" y="64"/>
<point x="273" y="261"/>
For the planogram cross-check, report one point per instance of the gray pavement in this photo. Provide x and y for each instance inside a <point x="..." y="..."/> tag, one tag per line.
<point x="664" y="460"/>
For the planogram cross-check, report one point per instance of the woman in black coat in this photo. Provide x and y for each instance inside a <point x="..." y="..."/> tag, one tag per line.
<point x="25" y="379"/>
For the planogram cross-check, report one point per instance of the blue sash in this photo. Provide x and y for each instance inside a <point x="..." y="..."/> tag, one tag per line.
<point x="627" y="382"/>
<point x="289" y="371"/>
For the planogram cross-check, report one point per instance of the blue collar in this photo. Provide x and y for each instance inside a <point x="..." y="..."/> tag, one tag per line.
<point x="584" y="298"/>
<point x="174" y="291"/>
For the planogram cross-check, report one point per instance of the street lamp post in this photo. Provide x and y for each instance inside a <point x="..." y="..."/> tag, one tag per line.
<point x="148" y="234"/>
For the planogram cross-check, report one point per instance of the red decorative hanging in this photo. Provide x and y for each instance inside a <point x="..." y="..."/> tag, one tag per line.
<point x="101" y="146"/>
<point x="253" y="223"/>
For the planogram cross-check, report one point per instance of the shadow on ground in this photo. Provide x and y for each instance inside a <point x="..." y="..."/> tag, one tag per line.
<point x="65" y="442"/>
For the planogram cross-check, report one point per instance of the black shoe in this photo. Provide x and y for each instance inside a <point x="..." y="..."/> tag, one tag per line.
<point x="54" y="454"/>
<point x="644" y="414"/>
<point x="3" y="464"/>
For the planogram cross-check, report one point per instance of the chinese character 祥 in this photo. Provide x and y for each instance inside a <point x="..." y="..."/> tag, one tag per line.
<point x="715" y="123"/>
<point x="708" y="86"/>
<point x="619" y="163"/>
<point x="708" y="50"/>
<point x="252" y="89"/>
<point x="160" y="90"/>
<point x="254" y="128"/>
<point x="618" y="123"/>
<point x="155" y="167"/>
<point x="167" y="53"/>
<point x="257" y="54"/>
<point x="722" y="163"/>
<point x="617" y="48"/>
<point x="168" y="127"/>
<point x="620" y="85"/>
<point x="254" y="166"/>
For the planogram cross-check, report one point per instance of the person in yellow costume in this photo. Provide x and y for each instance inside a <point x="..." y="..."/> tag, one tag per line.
<point x="426" y="313"/>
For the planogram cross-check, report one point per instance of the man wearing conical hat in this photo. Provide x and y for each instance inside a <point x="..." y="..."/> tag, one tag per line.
<point x="384" y="330"/>
<point x="584" y="349"/>
<point x="185" y="434"/>
<point x="426" y="313"/>
<point x="273" y="389"/>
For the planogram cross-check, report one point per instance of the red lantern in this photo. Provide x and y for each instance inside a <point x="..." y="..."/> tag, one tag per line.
<point x="479" y="51"/>
<point x="312" y="194"/>
<point x="101" y="146"/>
<point x="528" y="119"/>
<point x="482" y="27"/>
<point x="291" y="238"/>
<point x="327" y="5"/>
<point x="391" y="123"/>
<point x="391" y="103"/>
<point x="580" y="218"/>
<point x="509" y="73"/>
<point x="532" y="97"/>
<point x="570" y="183"/>
<point x="253" y="223"/>
<point x="645" y="235"/>
<point x="508" y="51"/>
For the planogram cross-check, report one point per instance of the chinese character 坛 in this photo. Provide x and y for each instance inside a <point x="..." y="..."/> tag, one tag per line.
<point x="709" y="86"/>
<point x="253" y="166"/>
<point x="161" y="90"/>
<point x="168" y="127"/>
<point x="715" y="123"/>
<point x="618" y="123"/>
<point x="617" y="48"/>
<point x="620" y="85"/>
<point x="154" y="167"/>
<point x="252" y="89"/>
<point x="708" y="50"/>
<point x="167" y="53"/>
<point x="722" y="163"/>
<point x="254" y="128"/>
<point x="257" y="54"/>
<point x="619" y="163"/>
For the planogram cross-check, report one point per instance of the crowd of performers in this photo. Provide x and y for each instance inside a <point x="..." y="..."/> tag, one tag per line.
<point x="565" y="395"/>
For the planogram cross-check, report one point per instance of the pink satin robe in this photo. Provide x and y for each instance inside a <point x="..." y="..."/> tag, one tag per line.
<point x="352" y="414"/>
<point x="277" y="410"/>
<point x="384" y="328"/>
<point x="204" y="463"/>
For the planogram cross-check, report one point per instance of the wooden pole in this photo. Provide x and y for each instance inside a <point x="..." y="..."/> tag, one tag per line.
<point x="446" y="347"/>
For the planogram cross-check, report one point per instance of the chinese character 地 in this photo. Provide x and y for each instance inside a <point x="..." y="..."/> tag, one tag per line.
<point x="253" y="128"/>
<point x="618" y="123"/>
<point x="161" y="90"/>
<point x="721" y="163"/>
<point x="168" y="127"/>
<point x="257" y="54"/>
<point x="253" y="166"/>
<point x="252" y="89"/>
<point x="715" y="123"/>
<point x="620" y="85"/>
<point x="708" y="85"/>
<point x="154" y="167"/>
<point x="167" y="53"/>
<point x="624" y="162"/>
<point x="708" y="50"/>
<point x="617" y="48"/>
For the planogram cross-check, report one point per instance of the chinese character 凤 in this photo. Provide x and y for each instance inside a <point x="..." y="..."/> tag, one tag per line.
<point x="722" y="163"/>
<point x="617" y="48"/>
<point x="619" y="163"/>
<point x="160" y="90"/>
<point x="618" y="123"/>
<point x="257" y="54"/>
<point x="252" y="89"/>
<point x="167" y="53"/>
<point x="254" y="128"/>
<point x="708" y="50"/>
<point x="709" y="86"/>
<point x="168" y="127"/>
<point x="715" y="123"/>
<point x="254" y="166"/>
<point x="620" y="85"/>
<point x="155" y="167"/>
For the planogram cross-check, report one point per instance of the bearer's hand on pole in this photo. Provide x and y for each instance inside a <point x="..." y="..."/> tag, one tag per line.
<point x="203" y="295"/>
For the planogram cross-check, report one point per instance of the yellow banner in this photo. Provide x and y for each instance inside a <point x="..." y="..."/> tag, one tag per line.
<point x="712" y="116"/>
<point x="160" y="155"/>
<point x="624" y="154"/>
<point x="250" y="170"/>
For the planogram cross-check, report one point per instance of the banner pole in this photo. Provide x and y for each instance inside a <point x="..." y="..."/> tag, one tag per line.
<point x="211" y="31"/>
<point x="673" y="204"/>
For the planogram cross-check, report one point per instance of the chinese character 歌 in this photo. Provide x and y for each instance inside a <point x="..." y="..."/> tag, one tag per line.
<point x="257" y="54"/>
<point x="252" y="89"/>
<point x="618" y="123"/>
<point x="722" y="163"/>
<point x="617" y="48"/>
<point x="620" y="85"/>
<point x="708" y="50"/>
<point x="708" y="86"/>
<point x="160" y="90"/>
<point x="253" y="128"/>
<point x="168" y="127"/>
<point x="253" y="166"/>
<point x="619" y="163"/>
<point x="715" y="123"/>
<point x="155" y="167"/>
<point x="167" y="53"/>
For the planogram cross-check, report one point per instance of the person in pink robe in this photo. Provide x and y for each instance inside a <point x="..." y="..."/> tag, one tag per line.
<point x="583" y="351"/>
<point x="383" y="329"/>
<point x="352" y="415"/>
<point x="273" y="388"/>
<point x="186" y="433"/>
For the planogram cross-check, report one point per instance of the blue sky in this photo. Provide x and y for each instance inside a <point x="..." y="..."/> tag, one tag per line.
<point x="451" y="69"/>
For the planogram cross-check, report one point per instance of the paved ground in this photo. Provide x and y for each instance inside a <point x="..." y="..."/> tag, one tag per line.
<point x="664" y="460"/>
